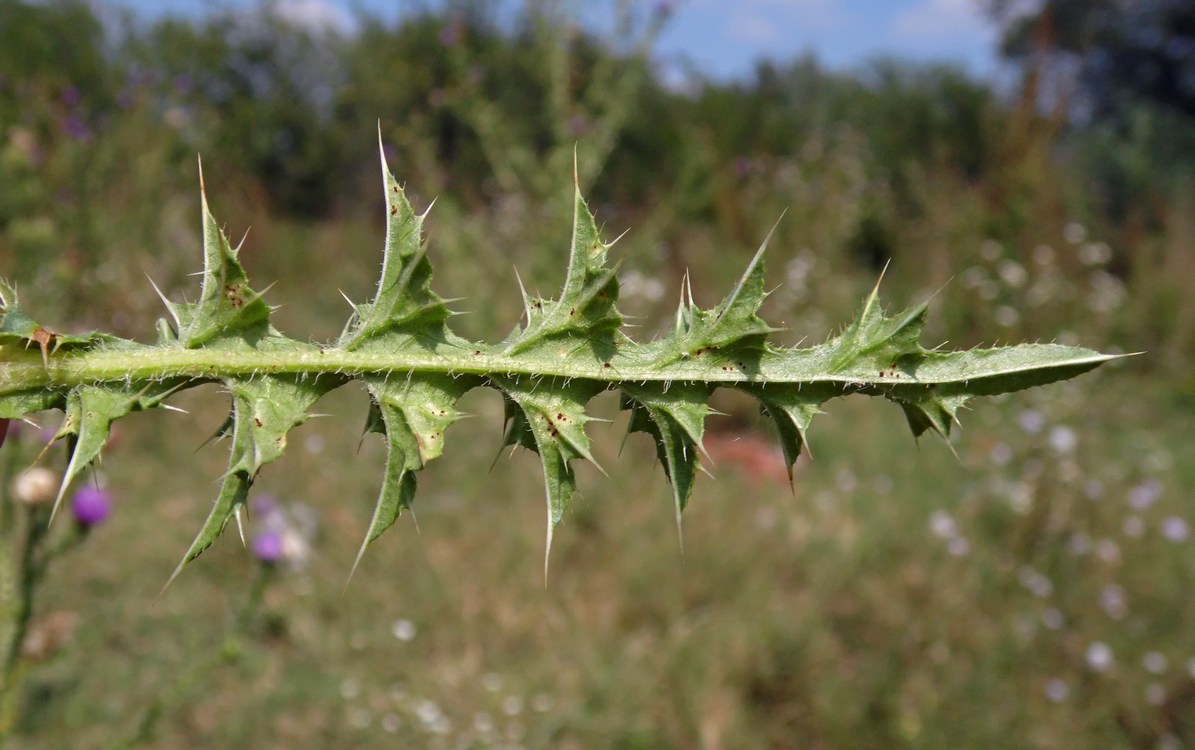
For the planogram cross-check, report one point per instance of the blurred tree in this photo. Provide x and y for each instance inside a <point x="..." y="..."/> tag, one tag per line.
<point x="255" y="90"/>
<point x="1122" y="53"/>
<point x="1123" y="73"/>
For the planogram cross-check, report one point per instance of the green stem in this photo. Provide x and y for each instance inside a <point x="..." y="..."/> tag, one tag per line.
<point x="25" y="370"/>
<point x="19" y="576"/>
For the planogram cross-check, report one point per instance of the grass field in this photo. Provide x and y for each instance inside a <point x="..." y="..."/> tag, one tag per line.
<point x="1031" y="593"/>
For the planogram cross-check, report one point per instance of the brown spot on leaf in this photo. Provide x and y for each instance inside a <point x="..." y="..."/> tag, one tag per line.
<point x="44" y="337"/>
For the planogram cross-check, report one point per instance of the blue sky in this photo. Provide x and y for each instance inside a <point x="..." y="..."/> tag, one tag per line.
<point x="723" y="38"/>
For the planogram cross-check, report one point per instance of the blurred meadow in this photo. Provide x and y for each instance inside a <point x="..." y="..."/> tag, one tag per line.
<point x="1035" y="591"/>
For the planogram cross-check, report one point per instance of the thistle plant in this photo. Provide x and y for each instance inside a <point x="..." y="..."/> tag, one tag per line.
<point x="564" y="351"/>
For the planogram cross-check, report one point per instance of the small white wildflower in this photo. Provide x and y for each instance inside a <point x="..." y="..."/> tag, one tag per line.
<point x="942" y="525"/>
<point x="1095" y="253"/>
<point x="1074" y="232"/>
<point x="1007" y="316"/>
<point x="314" y="443"/>
<point x="35" y="486"/>
<point x="428" y="712"/>
<point x="973" y="276"/>
<point x="1099" y="657"/>
<point x="991" y="250"/>
<point x="1043" y="255"/>
<point x="1031" y="421"/>
<point x="512" y="705"/>
<point x="1063" y="439"/>
<point x="1052" y="618"/>
<point x="440" y="725"/>
<point x="349" y="689"/>
<point x="1154" y="662"/>
<point x="1155" y="694"/>
<point x="1079" y="544"/>
<point x="1107" y="551"/>
<point x="1013" y="274"/>
<point x="360" y="718"/>
<point x="403" y="630"/>
<point x="1001" y="454"/>
<point x="846" y="480"/>
<point x="958" y="546"/>
<point x="1056" y="690"/>
<point x="766" y="518"/>
<point x="1114" y="601"/>
<point x="1035" y="582"/>
<point x="1175" y="529"/>
<point x="1133" y="526"/>
<point x="1143" y="495"/>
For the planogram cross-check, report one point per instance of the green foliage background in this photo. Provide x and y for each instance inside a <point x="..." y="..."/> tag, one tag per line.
<point x="897" y="599"/>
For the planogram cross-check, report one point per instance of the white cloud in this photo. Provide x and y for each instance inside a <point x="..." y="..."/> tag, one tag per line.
<point x="315" y="15"/>
<point x="768" y="22"/>
<point x="950" y="22"/>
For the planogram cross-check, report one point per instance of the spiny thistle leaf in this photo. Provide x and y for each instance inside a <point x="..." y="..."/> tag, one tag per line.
<point x="413" y="415"/>
<point x="674" y="416"/>
<point x="550" y="421"/>
<point x="734" y="323"/>
<point x="792" y="409"/>
<point x="227" y="305"/>
<point x="566" y="351"/>
<point x="586" y="309"/>
<point x="90" y="412"/>
<point x="264" y="410"/>
<point x="404" y="298"/>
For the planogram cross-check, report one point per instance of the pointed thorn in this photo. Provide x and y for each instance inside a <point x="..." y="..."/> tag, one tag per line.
<point x="178" y="569"/>
<point x="356" y="562"/>
<point x="680" y="534"/>
<point x="875" y="292"/>
<point x="382" y="156"/>
<point x="244" y="236"/>
<point x="166" y="302"/>
<point x="548" y="548"/>
<point x="523" y="291"/>
<point x="237" y="514"/>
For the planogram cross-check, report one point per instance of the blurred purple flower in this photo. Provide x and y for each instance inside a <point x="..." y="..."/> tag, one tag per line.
<point x="71" y="96"/>
<point x="451" y="34"/>
<point x="91" y="506"/>
<point x="264" y="505"/>
<point x="577" y="126"/>
<point x="743" y="166"/>
<point x="268" y="547"/>
<point x="76" y="128"/>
